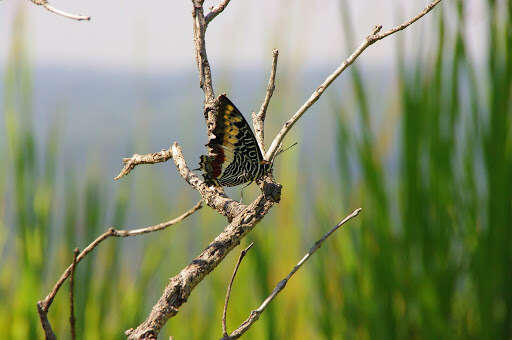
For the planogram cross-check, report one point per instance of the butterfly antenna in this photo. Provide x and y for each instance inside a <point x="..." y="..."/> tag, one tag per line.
<point x="285" y="149"/>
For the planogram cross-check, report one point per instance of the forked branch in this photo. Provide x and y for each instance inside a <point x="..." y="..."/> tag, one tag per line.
<point x="43" y="306"/>
<point x="370" y="40"/>
<point x="216" y="10"/>
<point x="255" y="314"/>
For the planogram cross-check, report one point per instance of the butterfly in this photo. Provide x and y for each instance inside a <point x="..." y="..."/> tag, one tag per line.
<point x="234" y="156"/>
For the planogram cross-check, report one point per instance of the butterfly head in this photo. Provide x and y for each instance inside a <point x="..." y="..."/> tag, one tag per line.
<point x="269" y="165"/>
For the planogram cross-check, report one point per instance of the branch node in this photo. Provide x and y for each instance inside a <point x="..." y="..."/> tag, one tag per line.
<point x="281" y="284"/>
<point x="272" y="190"/>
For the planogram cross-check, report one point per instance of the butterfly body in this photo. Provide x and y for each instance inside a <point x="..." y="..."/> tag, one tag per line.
<point x="234" y="156"/>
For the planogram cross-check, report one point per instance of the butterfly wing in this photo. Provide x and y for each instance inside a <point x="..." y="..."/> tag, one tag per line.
<point x="233" y="156"/>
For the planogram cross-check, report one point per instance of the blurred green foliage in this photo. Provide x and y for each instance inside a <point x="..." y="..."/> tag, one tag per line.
<point x="429" y="257"/>
<point x="433" y="255"/>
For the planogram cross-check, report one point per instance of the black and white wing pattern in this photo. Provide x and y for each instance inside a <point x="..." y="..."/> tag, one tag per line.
<point x="234" y="156"/>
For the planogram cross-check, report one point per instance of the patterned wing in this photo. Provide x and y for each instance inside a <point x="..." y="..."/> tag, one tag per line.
<point x="233" y="156"/>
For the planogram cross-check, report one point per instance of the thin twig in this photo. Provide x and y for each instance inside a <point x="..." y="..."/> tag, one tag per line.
<point x="258" y="120"/>
<point x="52" y="9"/>
<point x="228" y="292"/>
<point x="205" y="76"/>
<point x="408" y="23"/>
<point x="44" y="305"/>
<point x="71" y="298"/>
<point x="214" y="11"/>
<point x="370" y="40"/>
<point x="150" y="158"/>
<point x="255" y="314"/>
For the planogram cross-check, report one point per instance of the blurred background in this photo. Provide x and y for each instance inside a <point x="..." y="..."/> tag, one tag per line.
<point x="417" y="133"/>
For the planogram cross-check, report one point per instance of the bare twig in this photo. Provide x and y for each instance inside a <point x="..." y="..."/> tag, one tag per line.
<point x="44" y="305"/>
<point x="150" y="158"/>
<point x="205" y="76"/>
<point x="370" y="40"/>
<point x="52" y="9"/>
<point x="258" y="120"/>
<point x="408" y="23"/>
<point x="71" y="298"/>
<point x="214" y="11"/>
<point x="228" y="292"/>
<point x="255" y="314"/>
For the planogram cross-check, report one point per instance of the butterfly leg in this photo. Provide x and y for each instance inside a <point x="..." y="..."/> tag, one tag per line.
<point x="242" y="191"/>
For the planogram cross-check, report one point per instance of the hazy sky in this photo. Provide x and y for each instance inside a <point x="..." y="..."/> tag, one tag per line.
<point x="156" y="35"/>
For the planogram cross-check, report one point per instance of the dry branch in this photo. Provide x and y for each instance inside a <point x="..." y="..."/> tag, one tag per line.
<point x="52" y="9"/>
<point x="370" y="40"/>
<point x="180" y="286"/>
<point x="255" y="314"/>
<point x="150" y="158"/>
<point x="258" y="119"/>
<point x="44" y="305"/>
